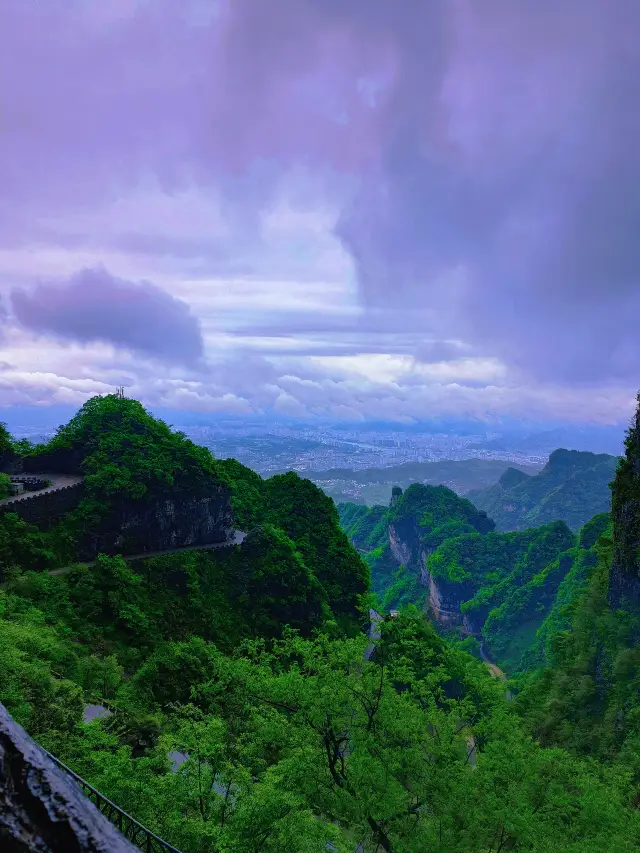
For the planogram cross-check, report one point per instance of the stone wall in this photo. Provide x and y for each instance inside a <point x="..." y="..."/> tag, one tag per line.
<point x="46" y="509"/>
<point x="135" y="527"/>
<point x="41" y="807"/>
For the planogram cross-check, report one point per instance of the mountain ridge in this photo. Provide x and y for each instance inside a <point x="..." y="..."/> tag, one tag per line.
<point x="573" y="487"/>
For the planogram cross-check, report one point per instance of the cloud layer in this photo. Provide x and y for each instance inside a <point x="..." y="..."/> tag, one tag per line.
<point x="309" y="185"/>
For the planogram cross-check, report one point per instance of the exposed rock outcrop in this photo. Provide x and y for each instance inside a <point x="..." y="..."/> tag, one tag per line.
<point x="42" y="810"/>
<point x="176" y="522"/>
<point x="408" y="550"/>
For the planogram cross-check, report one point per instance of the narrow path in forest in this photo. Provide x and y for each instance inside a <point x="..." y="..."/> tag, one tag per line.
<point x="493" y="668"/>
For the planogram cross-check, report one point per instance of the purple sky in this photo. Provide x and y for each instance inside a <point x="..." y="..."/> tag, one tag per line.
<point x="347" y="208"/>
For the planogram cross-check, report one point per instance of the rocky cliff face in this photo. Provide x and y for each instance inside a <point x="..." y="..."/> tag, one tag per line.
<point x="41" y="808"/>
<point x="407" y="549"/>
<point x="444" y="602"/>
<point x="405" y="544"/>
<point x="176" y="522"/>
<point x="624" y="578"/>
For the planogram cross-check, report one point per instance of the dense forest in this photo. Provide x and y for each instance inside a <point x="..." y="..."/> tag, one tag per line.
<point x="252" y="667"/>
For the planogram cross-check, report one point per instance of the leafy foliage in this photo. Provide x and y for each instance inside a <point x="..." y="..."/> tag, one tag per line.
<point x="127" y="453"/>
<point x="434" y="506"/>
<point x="22" y="545"/>
<point x="6" y="441"/>
<point x="249" y="665"/>
<point x="310" y="520"/>
<point x="5" y="486"/>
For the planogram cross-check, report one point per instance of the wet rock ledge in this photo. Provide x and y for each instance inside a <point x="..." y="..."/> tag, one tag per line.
<point x="42" y="810"/>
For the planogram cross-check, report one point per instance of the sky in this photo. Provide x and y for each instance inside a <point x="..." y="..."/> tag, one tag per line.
<point x="345" y="209"/>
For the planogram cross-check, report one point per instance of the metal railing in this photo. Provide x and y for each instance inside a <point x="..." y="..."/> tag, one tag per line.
<point x="132" y="829"/>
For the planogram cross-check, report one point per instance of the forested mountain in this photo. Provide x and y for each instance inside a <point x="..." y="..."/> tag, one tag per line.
<point x="434" y="549"/>
<point x="572" y="487"/>
<point x="253" y="664"/>
<point x="586" y="698"/>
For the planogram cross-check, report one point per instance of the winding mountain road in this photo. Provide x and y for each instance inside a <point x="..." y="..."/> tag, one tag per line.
<point x="237" y="539"/>
<point x="58" y="481"/>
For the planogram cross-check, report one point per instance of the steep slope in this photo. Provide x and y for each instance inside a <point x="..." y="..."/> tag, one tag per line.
<point x="145" y="488"/>
<point x="624" y="586"/>
<point x="291" y="736"/>
<point x="149" y="489"/>
<point x="508" y="590"/>
<point x="406" y="532"/>
<point x="586" y="697"/>
<point x="572" y="487"/>
<point x="500" y="586"/>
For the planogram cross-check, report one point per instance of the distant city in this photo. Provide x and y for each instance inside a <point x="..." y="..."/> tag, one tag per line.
<point x="321" y="449"/>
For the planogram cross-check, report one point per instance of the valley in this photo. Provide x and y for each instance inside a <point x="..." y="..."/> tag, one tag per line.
<point x="327" y="672"/>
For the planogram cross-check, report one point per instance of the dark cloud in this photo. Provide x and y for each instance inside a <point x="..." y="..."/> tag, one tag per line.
<point x="516" y="218"/>
<point x="93" y="305"/>
<point x="494" y="145"/>
<point x="500" y="173"/>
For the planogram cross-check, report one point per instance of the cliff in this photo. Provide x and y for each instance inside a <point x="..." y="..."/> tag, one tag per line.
<point x="624" y="576"/>
<point x="124" y="482"/>
<point x="41" y="807"/>
<point x="135" y="527"/>
<point x="406" y="533"/>
<point x="500" y="587"/>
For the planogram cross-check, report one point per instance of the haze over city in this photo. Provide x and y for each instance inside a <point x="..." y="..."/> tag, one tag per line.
<point x="321" y="210"/>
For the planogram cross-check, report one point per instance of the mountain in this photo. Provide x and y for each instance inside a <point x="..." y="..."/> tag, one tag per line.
<point x="434" y="549"/>
<point x="416" y="521"/>
<point x="302" y="719"/>
<point x="585" y="696"/>
<point x="373" y="485"/>
<point x="593" y="438"/>
<point x="572" y="487"/>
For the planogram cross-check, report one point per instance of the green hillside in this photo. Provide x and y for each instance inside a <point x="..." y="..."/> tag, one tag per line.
<point x="509" y="590"/>
<point x="299" y="731"/>
<point x="572" y="487"/>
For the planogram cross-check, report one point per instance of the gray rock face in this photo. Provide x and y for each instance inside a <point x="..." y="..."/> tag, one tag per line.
<point x="42" y="810"/>
<point x="444" y="601"/>
<point x="404" y="542"/>
<point x="176" y="522"/>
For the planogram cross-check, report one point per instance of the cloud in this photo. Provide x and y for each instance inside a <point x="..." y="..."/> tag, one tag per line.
<point x="441" y="180"/>
<point x="93" y="305"/>
<point x="507" y="198"/>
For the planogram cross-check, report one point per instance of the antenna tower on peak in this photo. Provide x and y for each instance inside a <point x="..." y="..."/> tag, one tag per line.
<point x="120" y="391"/>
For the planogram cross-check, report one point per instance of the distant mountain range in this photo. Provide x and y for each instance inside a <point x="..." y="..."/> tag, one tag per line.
<point x="460" y="475"/>
<point x="572" y="487"/>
